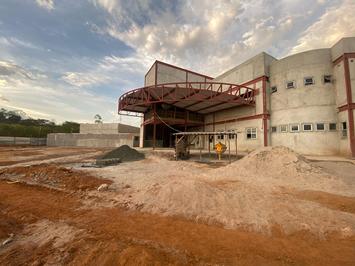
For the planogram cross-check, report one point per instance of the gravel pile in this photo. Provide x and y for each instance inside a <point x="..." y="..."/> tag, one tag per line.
<point x="125" y="153"/>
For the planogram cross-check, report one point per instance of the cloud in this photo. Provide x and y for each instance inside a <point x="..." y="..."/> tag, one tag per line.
<point x="337" y="22"/>
<point x="211" y="40"/>
<point x="2" y="98"/>
<point x="46" y="4"/>
<point x="46" y="97"/>
<point x="111" y="69"/>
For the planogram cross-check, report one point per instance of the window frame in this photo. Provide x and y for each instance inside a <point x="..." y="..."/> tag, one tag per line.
<point x="344" y="129"/>
<point x="330" y="77"/>
<point x="286" y="128"/>
<point x="293" y="82"/>
<point x="336" y="126"/>
<point x="274" y="129"/>
<point x="231" y="131"/>
<point x="307" y="124"/>
<point x="273" y="89"/>
<point x="251" y="133"/>
<point x="308" y="84"/>
<point x="294" y="131"/>
<point x="320" y="123"/>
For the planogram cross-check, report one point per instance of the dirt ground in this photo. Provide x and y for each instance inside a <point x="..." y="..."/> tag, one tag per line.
<point x="52" y="214"/>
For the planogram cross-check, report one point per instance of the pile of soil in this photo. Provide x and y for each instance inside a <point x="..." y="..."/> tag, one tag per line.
<point x="53" y="176"/>
<point x="256" y="193"/>
<point x="125" y="153"/>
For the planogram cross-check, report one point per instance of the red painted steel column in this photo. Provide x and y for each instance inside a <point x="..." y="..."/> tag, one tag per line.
<point x="349" y="104"/>
<point x="154" y="124"/>
<point x="264" y="112"/>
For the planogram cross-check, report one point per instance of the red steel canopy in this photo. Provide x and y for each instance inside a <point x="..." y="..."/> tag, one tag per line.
<point x="200" y="97"/>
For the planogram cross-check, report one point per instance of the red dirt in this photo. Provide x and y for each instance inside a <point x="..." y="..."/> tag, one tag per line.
<point x="53" y="176"/>
<point x="119" y="237"/>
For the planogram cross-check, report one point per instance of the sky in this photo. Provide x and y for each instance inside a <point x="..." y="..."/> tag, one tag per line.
<point x="66" y="60"/>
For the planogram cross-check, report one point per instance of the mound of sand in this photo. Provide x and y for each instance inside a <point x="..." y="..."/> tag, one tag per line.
<point x="257" y="193"/>
<point x="125" y="153"/>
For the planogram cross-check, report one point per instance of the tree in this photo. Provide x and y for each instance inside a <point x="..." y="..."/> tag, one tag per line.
<point x="98" y="119"/>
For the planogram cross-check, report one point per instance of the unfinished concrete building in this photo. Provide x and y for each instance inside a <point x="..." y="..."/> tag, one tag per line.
<point x="303" y="101"/>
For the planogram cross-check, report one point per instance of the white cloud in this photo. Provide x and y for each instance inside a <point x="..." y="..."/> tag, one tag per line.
<point x="2" y="98"/>
<point x="50" y="98"/>
<point x="109" y="70"/>
<point x="336" y="23"/>
<point x="47" y="4"/>
<point x="195" y="35"/>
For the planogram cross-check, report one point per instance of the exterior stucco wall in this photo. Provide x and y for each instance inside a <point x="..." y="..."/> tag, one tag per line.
<point x="304" y="104"/>
<point x="150" y="76"/>
<point x="249" y="70"/>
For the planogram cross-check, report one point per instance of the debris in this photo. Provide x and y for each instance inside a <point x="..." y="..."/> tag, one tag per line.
<point x="102" y="187"/>
<point x="107" y="162"/>
<point x="125" y="153"/>
<point x="13" y="182"/>
<point x="8" y="240"/>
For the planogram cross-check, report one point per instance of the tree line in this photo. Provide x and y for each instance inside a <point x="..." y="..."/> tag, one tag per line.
<point x="14" y="125"/>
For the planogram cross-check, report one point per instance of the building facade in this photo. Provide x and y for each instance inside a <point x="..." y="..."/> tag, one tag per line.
<point x="304" y="101"/>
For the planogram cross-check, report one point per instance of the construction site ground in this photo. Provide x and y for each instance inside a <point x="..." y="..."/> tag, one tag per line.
<point x="272" y="207"/>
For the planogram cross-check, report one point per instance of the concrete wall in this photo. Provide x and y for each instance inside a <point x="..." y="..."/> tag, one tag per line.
<point x="107" y="128"/>
<point x="304" y="104"/>
<point x="150" y="76"/>
<point x="22" y="141"/>
<point x="90" y="140"/>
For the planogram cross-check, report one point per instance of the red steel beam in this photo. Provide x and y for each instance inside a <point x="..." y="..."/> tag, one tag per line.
<point x="349" y="104"/>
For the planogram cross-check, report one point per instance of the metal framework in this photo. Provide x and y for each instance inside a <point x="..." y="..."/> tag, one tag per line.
<point x="180" y="136"/>
<point x="201" y="97"/>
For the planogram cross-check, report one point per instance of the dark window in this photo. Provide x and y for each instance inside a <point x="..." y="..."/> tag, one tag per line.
<point x="308" y="81"/>
<point x="273" y="89"/>
<point x="327" y="78"/>
<point x="332" y="126"/>
<point x="307" y="127"/>
<point x="290" y="84"/>
<point x="320" y="126"/>
<point x="344" y="129"/>
<point x="295" y="128"/>
<point x="273" y="129"/>
<point x="251" y="133"/>
<point x="231" y="136"/>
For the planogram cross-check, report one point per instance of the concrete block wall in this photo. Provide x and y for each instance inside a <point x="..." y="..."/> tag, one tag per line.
<point x="107" y="128"/>
<point x="90" y="140"/>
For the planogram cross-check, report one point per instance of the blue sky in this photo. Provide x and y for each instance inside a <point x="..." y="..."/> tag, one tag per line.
<point x="68" y="60"/>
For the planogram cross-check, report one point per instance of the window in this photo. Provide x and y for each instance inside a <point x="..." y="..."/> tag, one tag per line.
<point x="294" y="128"/>
<point x="290" y="84"/>
<point x="220" y="136"/>
<point x="251" y="133"/>
<point x="320" y="126"/>
<point x="308" y="81"/>
<point x="344" y="129"/>
<point x="332" y="126"/>
<point x="307" y="127"/>
<point x="273" y="89"/>
<point x="231" y="136"/>
<point x="273" y="129"/>
<point x="283" y="128"/>
<point x="327" y="79"/>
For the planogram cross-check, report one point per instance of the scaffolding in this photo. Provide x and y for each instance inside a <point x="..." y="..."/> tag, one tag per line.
<point x="182" y="142"/>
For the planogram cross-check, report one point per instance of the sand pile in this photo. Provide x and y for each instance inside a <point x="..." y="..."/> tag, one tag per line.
<point x="258" y="192"/>
<point x="281" y="166"/>
<point x="125" y="153"/>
